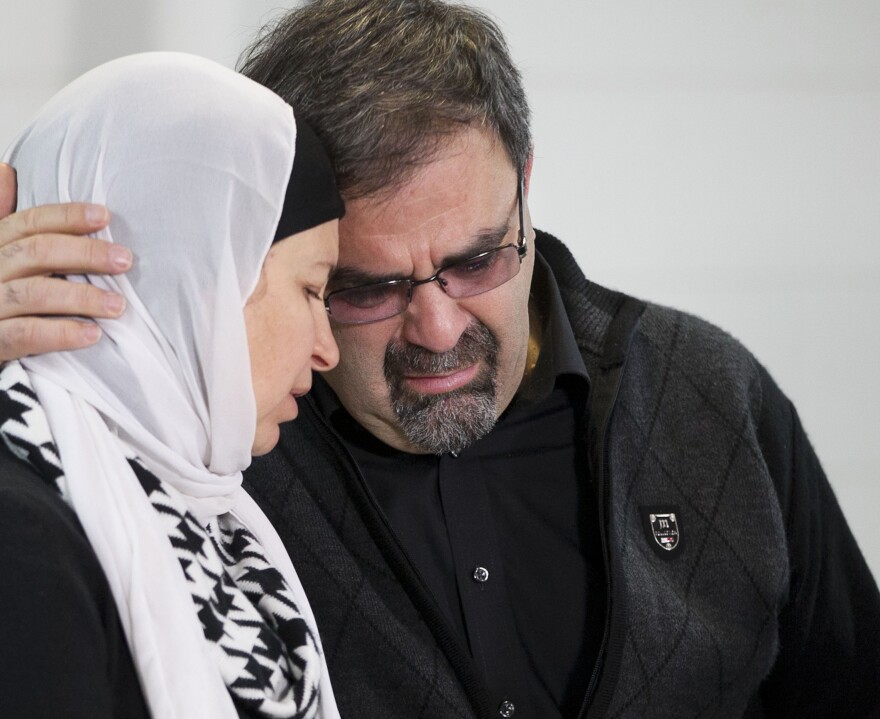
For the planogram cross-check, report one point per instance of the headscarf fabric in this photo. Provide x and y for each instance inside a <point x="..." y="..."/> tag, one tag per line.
<point x="312" y="197"/>
<point x="194" y="161"/>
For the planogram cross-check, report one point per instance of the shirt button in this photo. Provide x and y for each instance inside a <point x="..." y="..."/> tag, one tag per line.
<point x="506" y="709"/>
<point x="481" y="574"/>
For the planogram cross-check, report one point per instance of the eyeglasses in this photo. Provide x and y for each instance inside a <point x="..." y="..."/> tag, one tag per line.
<point x="465" y="278"/>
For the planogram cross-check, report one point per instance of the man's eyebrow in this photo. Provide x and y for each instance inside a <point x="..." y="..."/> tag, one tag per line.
<point x="345" y="277"/>
<point x="485" y="240"/>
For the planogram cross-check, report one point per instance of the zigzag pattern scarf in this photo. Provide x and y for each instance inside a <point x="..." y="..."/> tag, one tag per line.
<point x="265" y="652"/>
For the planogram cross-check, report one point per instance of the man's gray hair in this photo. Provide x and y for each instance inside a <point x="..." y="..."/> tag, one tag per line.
<point x="384" y="82"/>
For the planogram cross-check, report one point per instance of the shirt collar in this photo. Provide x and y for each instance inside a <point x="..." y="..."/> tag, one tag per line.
<point x="559" y="355"/>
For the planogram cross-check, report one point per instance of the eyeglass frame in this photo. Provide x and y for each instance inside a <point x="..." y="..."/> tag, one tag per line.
<point x="520" y="245"/>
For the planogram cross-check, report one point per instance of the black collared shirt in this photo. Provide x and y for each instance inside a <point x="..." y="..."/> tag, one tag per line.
<point x="506" y="534"/>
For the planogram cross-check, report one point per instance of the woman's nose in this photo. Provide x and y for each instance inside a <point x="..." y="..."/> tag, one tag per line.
<point x="325" y="353"/>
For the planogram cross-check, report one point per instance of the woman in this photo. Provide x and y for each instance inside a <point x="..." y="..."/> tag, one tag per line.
<point x="120" y="475"/>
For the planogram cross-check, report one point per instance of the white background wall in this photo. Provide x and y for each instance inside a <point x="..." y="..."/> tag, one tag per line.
<point x="720" y="157"/>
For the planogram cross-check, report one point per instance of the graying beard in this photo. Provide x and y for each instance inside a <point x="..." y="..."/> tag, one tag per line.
<point x="447" y="423"/>
<point x="450" y="421"/>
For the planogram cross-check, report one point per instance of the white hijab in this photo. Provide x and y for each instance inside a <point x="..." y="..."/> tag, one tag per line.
<point x="193" y="160"/>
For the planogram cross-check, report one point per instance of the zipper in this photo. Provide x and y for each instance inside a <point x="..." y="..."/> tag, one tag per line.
<point x="625" y="322"/>
<point x="603" y="485"/>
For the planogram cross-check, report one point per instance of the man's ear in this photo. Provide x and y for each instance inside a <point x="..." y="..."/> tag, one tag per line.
<point x="8" y="190"/>
<point x="527" y="171"/>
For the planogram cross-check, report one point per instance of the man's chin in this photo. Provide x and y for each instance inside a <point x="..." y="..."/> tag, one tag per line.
<point x="444" y="402"/>
<point x="447" y="422"/>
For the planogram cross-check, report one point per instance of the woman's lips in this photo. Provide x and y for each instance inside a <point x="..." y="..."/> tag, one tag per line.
<point x="438" y="384"/>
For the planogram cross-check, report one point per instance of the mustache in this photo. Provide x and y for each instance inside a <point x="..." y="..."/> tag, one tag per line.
<point x="476" y="343"/>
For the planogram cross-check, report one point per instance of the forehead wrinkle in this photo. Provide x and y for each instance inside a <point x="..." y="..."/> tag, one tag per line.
<point x="355" y="277"/>
<point x="397" y="211"/>
<point x="419" y="194"/>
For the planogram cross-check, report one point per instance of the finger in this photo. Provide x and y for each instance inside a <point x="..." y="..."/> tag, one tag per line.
<point x="65" y="254"/>
<point x="72" y="218"/>
<point x="53" y="296"/>
<point x="8" y="190"/>
<point x="37" y="335"/>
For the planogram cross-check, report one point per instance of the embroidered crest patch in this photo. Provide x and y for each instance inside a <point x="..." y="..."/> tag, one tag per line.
<point x="663" y="529"/>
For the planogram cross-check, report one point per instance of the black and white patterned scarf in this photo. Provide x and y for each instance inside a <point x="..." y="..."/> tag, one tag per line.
<point x="195" y="161"/>
<point x="264" y="649"/>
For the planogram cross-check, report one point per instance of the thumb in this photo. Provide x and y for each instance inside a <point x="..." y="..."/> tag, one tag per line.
<point x="8" y="190"/>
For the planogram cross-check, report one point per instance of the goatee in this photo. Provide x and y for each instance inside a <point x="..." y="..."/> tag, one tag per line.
<point x="450" y="421"/>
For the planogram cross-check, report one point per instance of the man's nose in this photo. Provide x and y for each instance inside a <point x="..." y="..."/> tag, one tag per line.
<point x="433" y="319"/>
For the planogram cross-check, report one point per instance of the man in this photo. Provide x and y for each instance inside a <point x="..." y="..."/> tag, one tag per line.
<point x="519" y="494"/>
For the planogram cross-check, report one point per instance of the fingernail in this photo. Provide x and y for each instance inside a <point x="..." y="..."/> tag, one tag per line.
<point x="114" y="303"/>
<point x="96" y="214"/>
<point x="120" y="257"/>
<point x="91" y="332"/>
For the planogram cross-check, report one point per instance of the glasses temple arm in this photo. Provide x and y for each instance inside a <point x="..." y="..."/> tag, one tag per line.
<point x="520" y="196"/>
